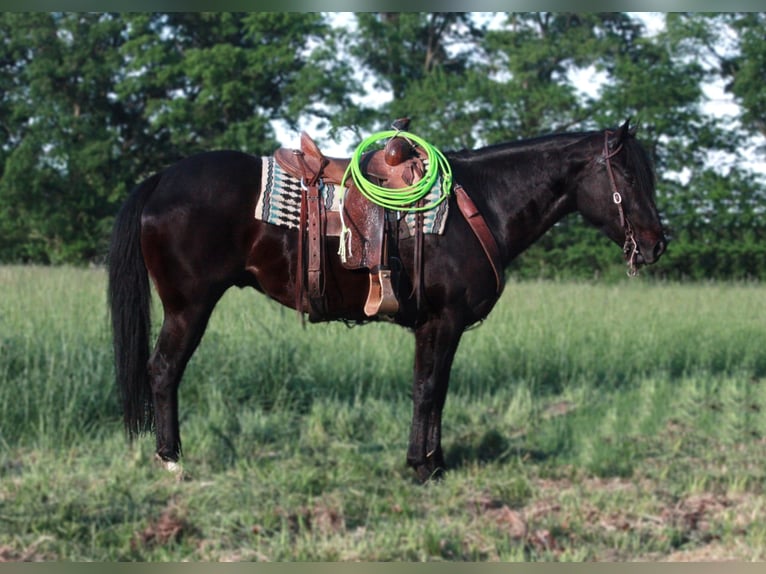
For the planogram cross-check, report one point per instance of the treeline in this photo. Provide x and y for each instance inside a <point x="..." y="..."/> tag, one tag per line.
<point x="90" y="103"/>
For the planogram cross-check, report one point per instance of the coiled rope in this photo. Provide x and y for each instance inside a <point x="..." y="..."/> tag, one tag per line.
<point x="397" y="199"/>
<point x="402" y="198"/>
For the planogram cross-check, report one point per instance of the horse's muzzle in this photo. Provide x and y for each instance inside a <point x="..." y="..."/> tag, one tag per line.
<point x="648" y="254"/>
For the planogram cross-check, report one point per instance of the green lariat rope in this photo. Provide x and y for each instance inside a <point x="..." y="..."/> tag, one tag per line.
<point x="402" y="198"/>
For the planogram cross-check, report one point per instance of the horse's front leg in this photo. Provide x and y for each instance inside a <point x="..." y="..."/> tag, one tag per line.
<point x="435" y="344"/>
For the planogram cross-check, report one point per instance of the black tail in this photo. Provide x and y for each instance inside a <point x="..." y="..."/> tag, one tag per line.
<point x="130" y="306"/>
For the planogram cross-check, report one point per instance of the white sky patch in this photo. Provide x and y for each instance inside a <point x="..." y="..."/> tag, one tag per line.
<point x="587" y="81"/>
<point x="653" y="21"/>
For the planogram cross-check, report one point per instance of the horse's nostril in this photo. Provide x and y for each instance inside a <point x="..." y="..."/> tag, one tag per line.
<point x="659" y="249"/>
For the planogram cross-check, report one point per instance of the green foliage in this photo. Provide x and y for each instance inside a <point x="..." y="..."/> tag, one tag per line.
<point x="61" y="174"/>
<point x="90" y="103"/>
<point x="94" y="102"/>
<point x="216" y="80"/>
<point x="402" y="48"/>
<point x="740" y="60"/>
<point x="518" y="82"/>
<point x="750" y="70"/>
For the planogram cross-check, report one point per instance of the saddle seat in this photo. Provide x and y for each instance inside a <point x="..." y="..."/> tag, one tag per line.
<point x="391" y="167"/>
<point x="398" y="165"/>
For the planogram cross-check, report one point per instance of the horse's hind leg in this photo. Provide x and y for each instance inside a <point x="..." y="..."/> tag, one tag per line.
<point x="179" y="336"/>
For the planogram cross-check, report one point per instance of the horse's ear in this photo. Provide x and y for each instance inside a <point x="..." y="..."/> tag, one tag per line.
<point x="619" y="136"/>
<point x="624" y="131"/>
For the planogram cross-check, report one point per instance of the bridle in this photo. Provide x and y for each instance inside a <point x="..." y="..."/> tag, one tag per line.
<point x="630" y="247"/>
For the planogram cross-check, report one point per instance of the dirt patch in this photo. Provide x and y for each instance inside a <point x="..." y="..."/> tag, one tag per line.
<point x="564" y="514"/>
<point x="518" y="524"/>
<point x="323" y="518"/>
<point x="694" y="514"/>
<point x="171" y="527"/>
<point x="510" y="522"/>
<point x="32" y="553"/>
<point x="709" y="553"/>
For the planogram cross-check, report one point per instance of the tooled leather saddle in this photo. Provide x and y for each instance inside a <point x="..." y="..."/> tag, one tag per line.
<point x="398" y="165"/>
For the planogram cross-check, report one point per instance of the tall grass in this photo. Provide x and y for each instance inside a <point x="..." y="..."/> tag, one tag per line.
<point x="55" y="357"/>
<point x="593" y="412"/>
<point x="542" y="338"/>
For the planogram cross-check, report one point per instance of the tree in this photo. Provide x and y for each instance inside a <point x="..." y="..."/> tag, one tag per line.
<point x="748" y="70"/>
<point x="733" y="48"/>
<point x="424" y="61"/>
<point x="713" y="207"/>
<point x="60" y="171"/>
<point x="535" y="59"/>
<point x="218" y="80"/>
<point x="93" y="102"/>
<point x="90" y="103"/>
<point x="404" y="47"/>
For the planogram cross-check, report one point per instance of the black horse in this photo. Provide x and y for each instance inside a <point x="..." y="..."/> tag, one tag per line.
<point x="191" y="229"/>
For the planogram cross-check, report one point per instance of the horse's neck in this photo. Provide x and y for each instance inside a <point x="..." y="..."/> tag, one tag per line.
<point x="541" y="210"/>
<point x="520" y="200"/>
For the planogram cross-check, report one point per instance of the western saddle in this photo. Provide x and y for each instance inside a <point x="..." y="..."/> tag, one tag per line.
<point x="398" y="165"/>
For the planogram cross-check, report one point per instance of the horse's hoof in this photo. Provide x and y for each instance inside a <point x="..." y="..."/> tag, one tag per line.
<point x="172" y="466"/>
<point x="426" y="474"/>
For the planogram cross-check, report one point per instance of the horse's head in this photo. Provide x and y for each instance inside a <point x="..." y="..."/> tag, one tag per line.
<point x="616" y="194"/>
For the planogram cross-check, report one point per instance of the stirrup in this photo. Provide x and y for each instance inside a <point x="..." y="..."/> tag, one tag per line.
<point x="381" y="299"/>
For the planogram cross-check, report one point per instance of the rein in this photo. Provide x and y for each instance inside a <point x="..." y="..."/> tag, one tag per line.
<point x="630" y="247"/>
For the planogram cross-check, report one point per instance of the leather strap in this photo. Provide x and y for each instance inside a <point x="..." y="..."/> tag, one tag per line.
<point x="300" y="259"/>
<point x="417" y="276"/>
<point x="482" y="232"/>
<point x="314" y="223"/>
<point x="310" y="235"/>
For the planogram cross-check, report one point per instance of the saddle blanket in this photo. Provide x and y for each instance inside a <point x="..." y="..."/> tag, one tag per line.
<point x="280" y="201"/>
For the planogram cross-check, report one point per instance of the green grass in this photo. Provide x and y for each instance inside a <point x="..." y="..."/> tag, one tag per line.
<point x="584" y="422"/>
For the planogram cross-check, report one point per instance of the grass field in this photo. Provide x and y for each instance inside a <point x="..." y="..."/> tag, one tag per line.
<point x="585" y="421"/>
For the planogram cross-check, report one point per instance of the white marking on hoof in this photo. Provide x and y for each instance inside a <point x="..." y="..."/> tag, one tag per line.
<point x="171" y="466"/>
